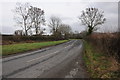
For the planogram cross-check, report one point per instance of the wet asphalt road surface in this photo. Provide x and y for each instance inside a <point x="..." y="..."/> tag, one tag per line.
<point x="60" y="61"/>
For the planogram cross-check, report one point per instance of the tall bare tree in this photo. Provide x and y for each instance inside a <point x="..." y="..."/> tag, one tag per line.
<point x="54" y="24"/>
<point x="65" y="30"/>
<point x="37" y="18"/>
<point x="91" y="18"/>
<point x="22" y="16"/>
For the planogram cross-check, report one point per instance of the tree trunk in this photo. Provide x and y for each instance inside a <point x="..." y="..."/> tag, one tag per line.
<point x="90" y="30"/>
<point x="36" y="30"/>
<point x="25" y="28"/>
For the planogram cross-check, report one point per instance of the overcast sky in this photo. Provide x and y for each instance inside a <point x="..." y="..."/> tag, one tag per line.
<point x="67" y="10"/>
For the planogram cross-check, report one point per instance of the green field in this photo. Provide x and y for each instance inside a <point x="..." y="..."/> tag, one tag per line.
<point x="22" y="47"/>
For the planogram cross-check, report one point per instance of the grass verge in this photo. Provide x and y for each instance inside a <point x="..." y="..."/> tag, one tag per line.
<point x="22" y="47"/>
<point x="99" y="65"/>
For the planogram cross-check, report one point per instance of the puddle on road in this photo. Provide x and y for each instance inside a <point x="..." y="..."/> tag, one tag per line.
<point x="72" y="73"/>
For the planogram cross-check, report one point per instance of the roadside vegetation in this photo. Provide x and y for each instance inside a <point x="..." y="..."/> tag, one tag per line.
<point x="22" y="47"/>
<point x="102" y="53"/>
<point x="109" y="43"/>
<point x="99" y="63"/>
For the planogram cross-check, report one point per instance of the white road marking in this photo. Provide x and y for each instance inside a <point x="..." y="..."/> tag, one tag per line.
<point x="71" y="44"/>
<point x="68" y="46"/>
<point x="42" y="57"/>
<point x="48" y="54"/>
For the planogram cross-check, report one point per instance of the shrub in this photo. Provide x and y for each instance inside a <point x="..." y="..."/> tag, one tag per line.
<point x="109" y="43"/>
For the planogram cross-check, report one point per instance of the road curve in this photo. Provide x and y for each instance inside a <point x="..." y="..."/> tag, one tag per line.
<point x="55" y="61"/>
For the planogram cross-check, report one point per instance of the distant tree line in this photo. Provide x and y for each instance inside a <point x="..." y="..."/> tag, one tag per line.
<point x="31" y="18"/>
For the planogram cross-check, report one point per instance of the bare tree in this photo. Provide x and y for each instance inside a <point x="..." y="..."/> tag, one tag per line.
<point x="37" y="18"/>
<point x="91" y="18"/>
<point x="65" y="30"/>
<point x="22" y="16"/>
<point x="54" y="24"/>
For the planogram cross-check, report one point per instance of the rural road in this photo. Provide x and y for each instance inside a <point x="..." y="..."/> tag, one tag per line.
<point x="60" y="61"/>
